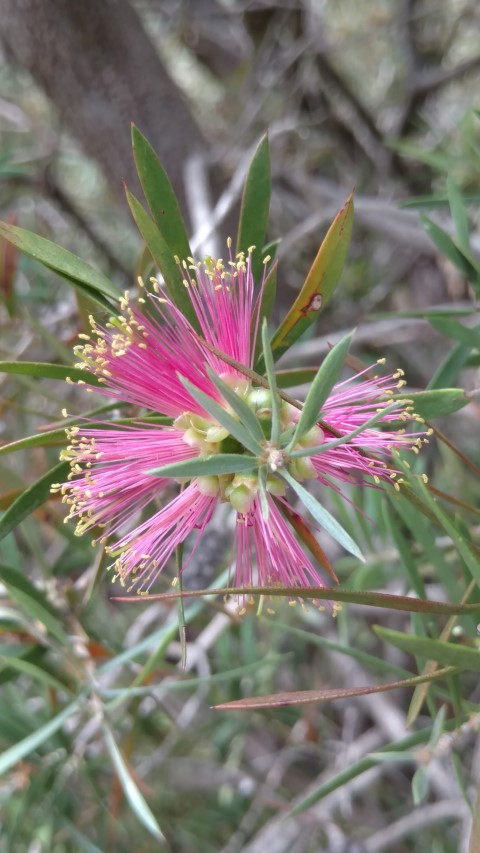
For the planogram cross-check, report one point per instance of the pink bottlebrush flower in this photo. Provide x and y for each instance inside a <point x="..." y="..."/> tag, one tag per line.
<point x="153" y="358"/>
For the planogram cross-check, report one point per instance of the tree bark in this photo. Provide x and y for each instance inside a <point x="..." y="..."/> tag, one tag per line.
<point x="100" y="69"/>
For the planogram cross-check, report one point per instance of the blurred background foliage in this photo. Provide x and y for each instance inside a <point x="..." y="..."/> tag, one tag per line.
<point x="104" y="739"/>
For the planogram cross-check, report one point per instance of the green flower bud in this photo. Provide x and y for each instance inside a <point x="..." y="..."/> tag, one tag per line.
<point x="216" y="434"/>
<point x="302" y="468"/>
<point x="288" y="413"/>
<point x="312" y="437"/>
<point x="260" y="400"/>
<point x="194" y="438"/>
<point x="239" y="384"/>
<point x="276" y="486"/>
<point x="208" y="485"/>
<point x="242" y="492"/>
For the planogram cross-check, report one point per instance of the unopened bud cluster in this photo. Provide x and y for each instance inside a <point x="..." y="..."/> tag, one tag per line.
<point x="211" y="438"/>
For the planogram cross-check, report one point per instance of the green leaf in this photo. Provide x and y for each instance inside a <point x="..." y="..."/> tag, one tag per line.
<point x="467" y="551"/>
<point x="420" y="786"/>
<point x="323" y="517"/>
<point x="344" y="439"/>
<point x="453" y="329"/>
<point x="54" y="437"/>
<point x="438" y="726"/>
<point x="32" y="498"/>
<point x="437" y="402"/>
<point x="448" y="654"/>
<point x="245" y="414"/>
<point x="33" y="601"/>
<point x="163" y="257"/>
<point x="19" y="750"/>
<point x="327" y="376"/>
<point x="304" y="533"/>
<point x="459" y="215"/>
<point x="132" y="793"/>
<point x="436" y="159"/>
<point x="183" y="683"/>
<point x="42" y="370"/>
<point x="295" y="376"/>
<point x="216" y="411"/>
<point x="204" y="466"/>
<point x="262" y="492"/>
<point x="444" y="242"/>
<point x="320" y="282"/>
<point x="160" y="196"/>
<point x="447" y="373"/>
<point x="77" y="272"/>
<point x="36" y="672"/>
<point x="270" y="371"/>
<point x="58" y="437"/>
<point x="403" y="546"/>
<point x="263" y="309"/>
<point x="252" y="229"/>
<point x="420" y="693"/>
<point x="367" y="660"/>
<point x="359" y="767"/>
<point x="424" y="535"/>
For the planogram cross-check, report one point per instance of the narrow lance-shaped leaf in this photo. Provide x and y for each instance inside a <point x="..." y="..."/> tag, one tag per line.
<point x="32" y="600"/>
<point x="205" y="466"/>
<point x="306" y="536"/>
<point x="467" y="551"/>
<point x="295" y="376"/>
<point x="344" y="439"/>
<point x="262" y="492"/>
<point x="132" y="793"/>
<point x="448" y="371"/>
<point x="182" y="625"/>
<point x="323" y="517"/>
<point x="160" y="196"/>
<point x="62" y="262"/>
<point x="52" y="438"/>
<point x="306" y="697"/>
<point x="320" y="282"/>
<point x="25" y="667"/>
<point x="24" y="747"/>
<point x="235" y="428"/>
<point x="420" y="692"/>
<point x="447" y="325"/>
<point x="444" y="242"/>
<point x="436" y="403"/>
<point x="448" y="654"/>
<point x="327" y="376"/>
<point x="263" y="309"/>
<point x="8" y="271"/>
<point x="58" y="437"/>
<point x="164" y="258"/>
<point x="270" y="371"/>
<point x="253" y="223"/>
<point x="357" y="768"/>
<point x="244" y="413"/>
<point x="386" y="601"/>
<point x="33" y="497"/>
<point x="459" y="215"/>
<point x="43" y="370"/>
